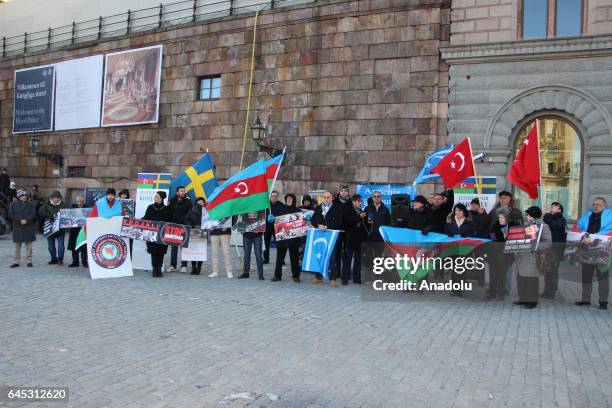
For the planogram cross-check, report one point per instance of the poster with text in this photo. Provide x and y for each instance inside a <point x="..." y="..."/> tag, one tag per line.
<point x="292" y="225"/>
<point x="108" y="253"/>
<point x="132" y="81"/>
<point x="590" y="249"/>
<point x="467" y="190"/>
<point x="523" y="238"/>
<point x="251" y="222"/>
<point x="33" y="106"/>
<point x="73" y="217"/>
<point x="164" y="233"/>
<point x="78" y="93"/>
<point x="385" y="190"/>
<point x="197" y="247"/>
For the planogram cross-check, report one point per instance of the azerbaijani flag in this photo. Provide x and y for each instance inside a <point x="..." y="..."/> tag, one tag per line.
<point x="404" y="241"/>
<point x="272" y="169"/>
<point x="245" y="191"/>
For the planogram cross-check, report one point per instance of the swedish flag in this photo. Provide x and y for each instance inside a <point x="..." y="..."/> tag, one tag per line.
<point x="199" y="180"/>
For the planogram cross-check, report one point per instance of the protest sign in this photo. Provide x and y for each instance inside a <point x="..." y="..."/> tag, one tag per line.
<point x="467" y="190"/>
<point x="386" y="191"/>
<point x="292" y="225"/>
<point x="164" y="233"/>
<point x="128" y="207"/>
<point x="251" y="222"/>
<point x="108" y="253"/>
<point x="523" y="238"/>
<point x="208" y="224"/>
<point x="51" y="226"/>
<point x="73" y="217"/>
<point x="590" y="249"/>
<point x="197" y="250"/>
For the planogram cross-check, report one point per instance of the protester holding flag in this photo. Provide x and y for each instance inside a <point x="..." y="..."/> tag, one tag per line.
<point x="72" y="239"/>
<point x="292" y="245"/>
<point x="500" y="264"/>
<point x="161" y="213"/>
<point x="597" y="221"/>
<point x="107" y="207"/>
<point x="276" y="207"/>
<point x="55" y="241"/>
<point x="328" y="215"/>
<point x="23" y="215"/>
<point x="180" y="206"/>
<point x="558" y="230"/>
<point x="528" y="280"/>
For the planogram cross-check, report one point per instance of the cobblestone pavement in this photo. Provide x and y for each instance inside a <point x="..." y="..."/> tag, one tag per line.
<point x="190" y="341"/>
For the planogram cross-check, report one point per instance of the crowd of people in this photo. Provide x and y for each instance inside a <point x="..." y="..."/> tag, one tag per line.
<point x="437" y="213"/>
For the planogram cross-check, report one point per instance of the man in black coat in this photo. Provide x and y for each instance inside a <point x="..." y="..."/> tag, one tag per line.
<point x="343" y="200"/>
<point x="328" y="215"/>
<point x="558" y="232"/>
<point x="480" y="218"/>
<point x="356" y="233"/>
<point x="180" y="206"/>
<point x="439" y="211"/>
<point x="276" y="208"/>
<point x="418" y="216"/>
<point x="378" y="216"/>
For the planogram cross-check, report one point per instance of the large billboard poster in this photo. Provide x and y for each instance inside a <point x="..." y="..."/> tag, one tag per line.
<point x="131" y="87"/>
<point x="34" y="92"/>
<point x="79" y="93"/>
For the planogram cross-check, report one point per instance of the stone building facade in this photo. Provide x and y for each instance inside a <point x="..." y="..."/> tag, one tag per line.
<point x="356" y="90"/>
<point x="499" y="83"/>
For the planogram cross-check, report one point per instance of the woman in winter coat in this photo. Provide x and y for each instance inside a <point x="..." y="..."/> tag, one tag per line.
<point x="292" y="245"/>
<point x="500" y="264"/>
<point x="23" y="215"/>
<point x="459" y="224"/>
<point x="528" y="280"/>
<point x="157" y="212"/>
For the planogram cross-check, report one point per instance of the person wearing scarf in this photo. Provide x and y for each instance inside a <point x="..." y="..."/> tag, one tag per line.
<point x="528" y="278"/>
<point x="157" y="212"/>
<point x="55" y="241"/>
<point x="459" y="224"/>
<point x="328" y="216"/>
<point x="597" y="221"/>
<point x="23" y="215"/>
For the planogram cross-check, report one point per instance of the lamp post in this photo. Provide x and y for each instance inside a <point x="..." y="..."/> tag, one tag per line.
<point x="258" y="132"/>
<point x="34" y="145"/>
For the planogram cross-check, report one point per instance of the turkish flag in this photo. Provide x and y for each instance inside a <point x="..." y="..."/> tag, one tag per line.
<point x="456" y="165"/>
<point x="525" y="169"/>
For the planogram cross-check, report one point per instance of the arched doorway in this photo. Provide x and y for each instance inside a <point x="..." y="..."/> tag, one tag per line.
<point x="560" y="165"/>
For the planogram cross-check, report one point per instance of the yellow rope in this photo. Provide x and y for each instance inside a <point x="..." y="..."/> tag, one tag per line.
<point x="246" y="120"/>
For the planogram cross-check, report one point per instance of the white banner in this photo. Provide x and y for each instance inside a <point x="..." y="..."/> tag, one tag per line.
<point x="107" y="252"/>
<point x="197" y="247"/>
<point x="78" y="93"/>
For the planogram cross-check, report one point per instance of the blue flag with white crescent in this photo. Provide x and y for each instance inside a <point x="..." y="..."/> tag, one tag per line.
<point x="318" y="250"/>
<point x="431" y="162"/>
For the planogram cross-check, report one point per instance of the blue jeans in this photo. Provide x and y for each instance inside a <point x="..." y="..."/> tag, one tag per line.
<point x="249" y="241"/>
<point x="351" y="254"/>
<point x="56" y="254"/>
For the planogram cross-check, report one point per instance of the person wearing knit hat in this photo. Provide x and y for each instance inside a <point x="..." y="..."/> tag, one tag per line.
<point x="23" y="215"/>
<point x="528" y="278"/>
<point x="55" y="241"/>
<point x="418" y="215"/>
<point x="107" y="207"/>
<point x="157" y="211"/>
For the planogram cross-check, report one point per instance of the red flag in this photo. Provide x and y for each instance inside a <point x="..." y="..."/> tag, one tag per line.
<point x="456" y="165"/>
<point x="525" y="169"/>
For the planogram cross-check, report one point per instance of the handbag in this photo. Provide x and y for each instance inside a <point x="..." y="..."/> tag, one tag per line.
<point x="545" y="261"/>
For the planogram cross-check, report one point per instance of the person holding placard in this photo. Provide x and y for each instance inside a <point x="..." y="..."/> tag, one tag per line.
<point x="157" y="212"/>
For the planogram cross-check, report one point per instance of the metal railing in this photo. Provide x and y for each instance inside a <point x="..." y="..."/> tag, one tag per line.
<point x="134" y="21"/>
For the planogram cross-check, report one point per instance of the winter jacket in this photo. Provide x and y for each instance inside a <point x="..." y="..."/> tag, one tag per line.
<point x="495" y="249"/>
<point x="19" y="210"/>
<point x="466" y="229"/>
<point x="482" y="223"/>
<point x="48" y="210"/>
<point x="438" y="214"/>
<point x="194" y="217"/>
<point x="74" y="232"/>
<point x="357" y="231"/>
<point x="179" y="210"/>
<point x="157" y="212"/>
<point x="332" y="220"/>
<point x="380" y="217"/>
<point x="557" y="225"/>
<point x="418" y="219"/>
<point x="515" y="216"/>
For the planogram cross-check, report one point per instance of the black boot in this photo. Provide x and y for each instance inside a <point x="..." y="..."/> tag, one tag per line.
<point x="603" y="305"/>
<point x="199" y="268"/>
<point x="194" y="270"/>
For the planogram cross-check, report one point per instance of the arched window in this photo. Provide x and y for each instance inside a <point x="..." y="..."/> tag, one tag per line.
<point x="560" y="166"/>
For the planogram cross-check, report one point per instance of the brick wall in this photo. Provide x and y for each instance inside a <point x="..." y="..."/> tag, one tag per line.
<point x="356" y="90"/>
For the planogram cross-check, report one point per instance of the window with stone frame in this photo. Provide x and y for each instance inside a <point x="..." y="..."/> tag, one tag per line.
<point x="539" y="19"/>
<point x="210" y="87"/>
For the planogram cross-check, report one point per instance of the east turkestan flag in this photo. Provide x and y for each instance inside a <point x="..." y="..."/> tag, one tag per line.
<point x="246" y="191"/>
<point x="457" y="165"/>
<point x="432" y="161"/>
<point x="199" y="180"/>
<point x="318" y="250"/>
<point x="525" y="169"/>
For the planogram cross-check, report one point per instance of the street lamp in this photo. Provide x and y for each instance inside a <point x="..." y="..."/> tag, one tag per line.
<point x="34" y="145"/>
<point x="258" y="132"/>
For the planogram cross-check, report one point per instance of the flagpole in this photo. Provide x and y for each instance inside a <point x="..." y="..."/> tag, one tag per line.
<point x="478" y="189"/>
<point x="246" y="120"/>
<point x="277" y="171"/>
<point x="541" y="190"/>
